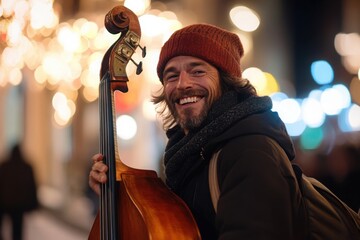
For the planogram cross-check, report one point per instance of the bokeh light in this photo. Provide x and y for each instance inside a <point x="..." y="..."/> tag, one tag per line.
<point x="312" y="112"/>
<point x="354" y="117"/>
<point x="126" y="127"/>
<point x="347" y="46"/>
<point x="276" y="98"/>
<point x="272" y="84"/>
<point x="322" y="72"/>
<point x="330" y="101"/>
<point x="244" y="18"/>
<point x="257" y="79"/>
<point x="311" y="138"/>
<point x="296" y="128"/>
<point x="289" y="110"/>
<point x="348" y="119"/>
<point x="137" y="6"/>
<point x="64" y="108"/>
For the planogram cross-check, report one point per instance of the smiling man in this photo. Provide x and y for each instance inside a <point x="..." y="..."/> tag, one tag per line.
<point x="191" y="86"/>
<point x="208" y="107"/>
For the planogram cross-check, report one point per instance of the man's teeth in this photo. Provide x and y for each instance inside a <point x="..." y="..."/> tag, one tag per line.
<point x="188" y="100"/>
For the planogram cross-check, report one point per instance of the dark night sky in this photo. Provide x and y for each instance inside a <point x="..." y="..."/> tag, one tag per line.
<point x="313" y="25"/>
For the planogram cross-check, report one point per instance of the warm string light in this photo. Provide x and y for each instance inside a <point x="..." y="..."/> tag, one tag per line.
<point x="66" y="56"/>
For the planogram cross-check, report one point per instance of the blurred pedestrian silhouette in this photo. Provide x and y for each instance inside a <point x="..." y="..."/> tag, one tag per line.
<point x="17" y="191"/>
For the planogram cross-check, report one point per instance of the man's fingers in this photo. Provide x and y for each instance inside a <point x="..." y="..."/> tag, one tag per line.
<point x="97" y="157"/>
<point x="97" y="174"/>
<point x="99" y="167"/>
<point x="94" y="185"/>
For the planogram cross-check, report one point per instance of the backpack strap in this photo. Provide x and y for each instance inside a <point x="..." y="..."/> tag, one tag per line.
<point x="213" y="180"/>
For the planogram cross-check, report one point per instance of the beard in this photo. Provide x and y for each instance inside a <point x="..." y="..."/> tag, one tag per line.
<point x="187" y="119"/>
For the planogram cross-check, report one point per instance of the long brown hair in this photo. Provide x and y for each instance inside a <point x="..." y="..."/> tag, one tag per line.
<point x="227" y="83"/>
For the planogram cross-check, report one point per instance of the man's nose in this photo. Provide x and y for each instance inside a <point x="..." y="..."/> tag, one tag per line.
<point x="184" y="81"/>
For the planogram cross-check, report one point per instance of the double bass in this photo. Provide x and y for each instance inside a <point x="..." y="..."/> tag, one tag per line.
<point x="134" y="203"/>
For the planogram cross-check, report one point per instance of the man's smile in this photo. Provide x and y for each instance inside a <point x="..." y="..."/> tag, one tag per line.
<point x="187" y="100"/>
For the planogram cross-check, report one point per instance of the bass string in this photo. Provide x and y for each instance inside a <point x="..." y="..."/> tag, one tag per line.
<point x="108" y="205"/>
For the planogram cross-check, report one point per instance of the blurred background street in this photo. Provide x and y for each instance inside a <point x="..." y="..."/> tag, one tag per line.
<point x="304" y="54"/>
<point x="44" y="225"/>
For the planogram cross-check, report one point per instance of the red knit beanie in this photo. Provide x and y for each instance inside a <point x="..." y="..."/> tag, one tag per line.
<point x="219" y="47"/>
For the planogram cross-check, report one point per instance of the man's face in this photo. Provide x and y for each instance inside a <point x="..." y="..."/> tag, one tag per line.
<point x="191" y="86"/>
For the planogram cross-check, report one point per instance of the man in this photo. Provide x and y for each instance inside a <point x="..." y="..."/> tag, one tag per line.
<point x="17" y="197"/>
<point x="212" y="108"/>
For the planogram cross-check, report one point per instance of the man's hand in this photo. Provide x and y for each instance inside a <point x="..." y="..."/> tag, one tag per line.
<point x="98" y="173"/>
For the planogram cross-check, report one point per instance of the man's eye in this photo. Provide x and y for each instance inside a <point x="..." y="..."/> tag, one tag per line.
<point x="198" y="72"/>
<point x="171" y="77"/>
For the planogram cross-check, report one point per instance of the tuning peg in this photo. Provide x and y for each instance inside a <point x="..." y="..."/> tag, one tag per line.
<point x="143" y="51"/>
<point x="139" y="68"/>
